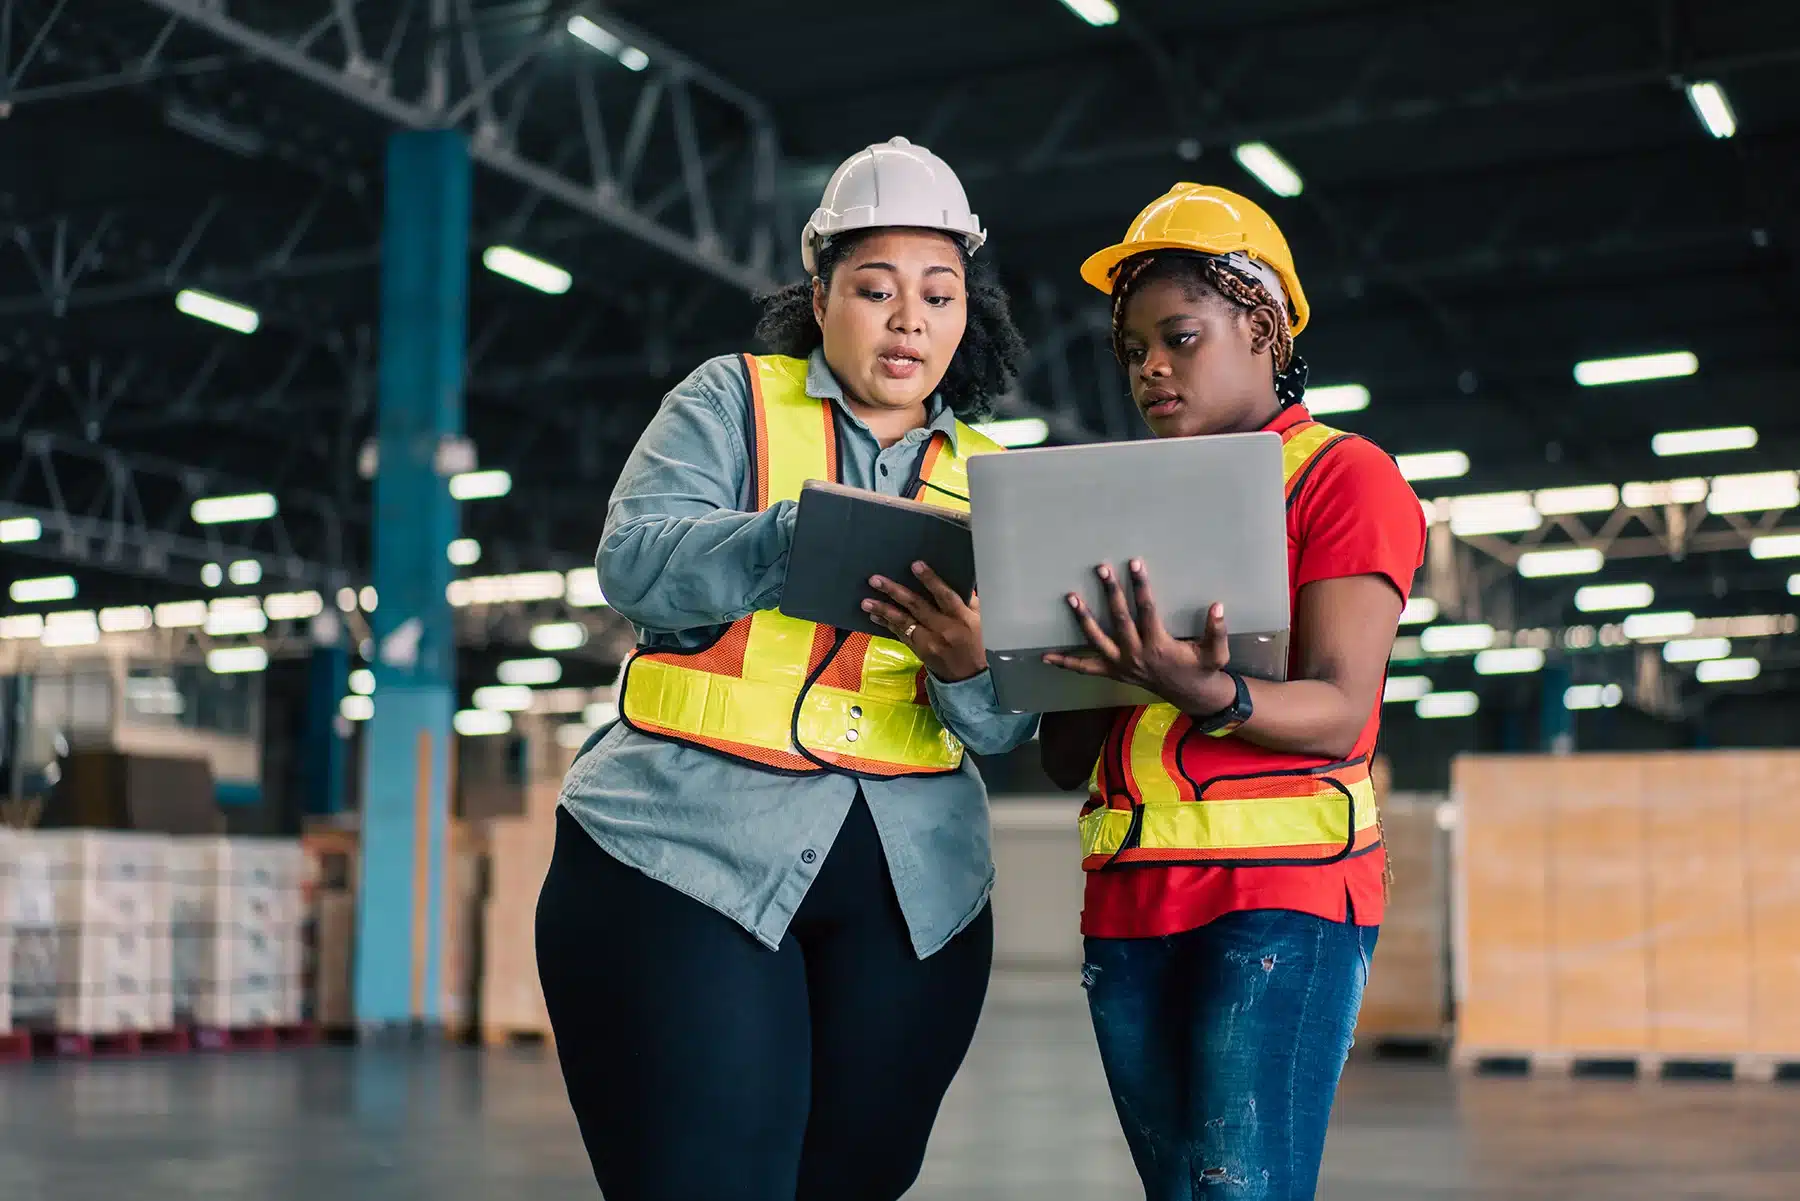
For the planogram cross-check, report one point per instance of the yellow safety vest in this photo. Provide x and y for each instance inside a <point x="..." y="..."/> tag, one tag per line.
<point x="793" y="696"/>
<point x="1151" y="802"/>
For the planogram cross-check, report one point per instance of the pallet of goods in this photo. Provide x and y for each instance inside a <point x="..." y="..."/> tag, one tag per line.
<point x="1405" y="1006"/>
<point x="519" y="850"/>
<point x="237" y="907"/>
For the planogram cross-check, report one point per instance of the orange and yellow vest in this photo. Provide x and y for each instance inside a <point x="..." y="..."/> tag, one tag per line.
<point x="1152" y="803"/>
<point x="788" y="695"/>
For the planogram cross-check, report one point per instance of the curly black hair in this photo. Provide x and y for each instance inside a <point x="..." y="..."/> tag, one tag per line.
<point x="985" y="364"/>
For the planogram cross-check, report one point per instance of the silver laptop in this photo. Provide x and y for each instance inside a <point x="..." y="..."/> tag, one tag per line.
<point x="1207" y="516"/>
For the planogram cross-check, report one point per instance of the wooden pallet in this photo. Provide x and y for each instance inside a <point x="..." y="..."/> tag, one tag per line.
<point x="256" y="1038"/>
<point x="1434" y="1048"/>
<point x="505" y="1036"/>
<point x="15" y="1044"/>
<point x="1639" y="1065"/>
<point x="74" y="1045"/>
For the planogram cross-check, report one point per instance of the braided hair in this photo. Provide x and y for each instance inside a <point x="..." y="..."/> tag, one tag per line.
<point x="984" y="365"/>
<point x="1231" y="284"/>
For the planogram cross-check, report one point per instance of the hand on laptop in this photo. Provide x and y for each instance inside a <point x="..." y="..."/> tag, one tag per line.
<point x="938" y="627"/>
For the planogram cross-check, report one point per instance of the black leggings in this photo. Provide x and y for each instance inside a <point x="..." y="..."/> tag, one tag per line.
<point x="703" y="1066"/>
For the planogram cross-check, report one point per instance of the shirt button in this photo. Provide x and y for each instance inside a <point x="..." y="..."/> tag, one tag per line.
<point x="884" y="470"/>
<point x="809" y="856"/>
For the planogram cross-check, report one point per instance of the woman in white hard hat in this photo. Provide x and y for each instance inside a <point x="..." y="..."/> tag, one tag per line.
<point x="1237" y="875"/>
<point x="764" y="937"/>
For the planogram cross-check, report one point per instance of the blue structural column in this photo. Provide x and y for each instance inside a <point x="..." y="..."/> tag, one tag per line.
<point x="406" y="758"/>
<point x="1556" y="725"/>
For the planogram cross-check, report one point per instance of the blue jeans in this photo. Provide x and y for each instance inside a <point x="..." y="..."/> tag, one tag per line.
<point x="1223" y="1047"/>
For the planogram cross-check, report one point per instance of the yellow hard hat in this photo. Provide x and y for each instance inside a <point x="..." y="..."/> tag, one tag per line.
<point x="1207" y="220"/>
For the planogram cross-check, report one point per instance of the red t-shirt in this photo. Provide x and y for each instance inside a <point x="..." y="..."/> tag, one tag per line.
<point x="1355" y="515"/>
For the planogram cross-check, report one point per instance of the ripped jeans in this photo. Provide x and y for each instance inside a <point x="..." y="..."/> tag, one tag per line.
<point x="1223" y="1047"/>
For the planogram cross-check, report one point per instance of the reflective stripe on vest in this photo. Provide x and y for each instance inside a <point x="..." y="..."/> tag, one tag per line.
<point x="1146" y="807"/>
<point x="788" y="695"/>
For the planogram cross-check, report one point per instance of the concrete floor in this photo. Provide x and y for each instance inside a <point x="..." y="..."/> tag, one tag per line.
<point x="1028" y="1119"/>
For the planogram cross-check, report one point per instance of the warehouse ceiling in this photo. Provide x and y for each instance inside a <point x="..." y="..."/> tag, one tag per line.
<point x="1494" y="190"/>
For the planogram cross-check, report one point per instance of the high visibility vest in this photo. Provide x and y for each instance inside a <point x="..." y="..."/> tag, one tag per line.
<point x="792" y="696"/>
<point x="1150" y="802"/>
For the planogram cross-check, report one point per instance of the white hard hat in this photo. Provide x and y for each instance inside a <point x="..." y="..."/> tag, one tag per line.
<point x="891" y="183"/>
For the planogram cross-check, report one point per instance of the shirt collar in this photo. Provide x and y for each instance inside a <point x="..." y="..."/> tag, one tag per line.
<point x="821" y="384"/>
<point x="1287" y="419"/>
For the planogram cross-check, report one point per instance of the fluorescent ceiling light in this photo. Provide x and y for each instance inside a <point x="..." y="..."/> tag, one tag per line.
<point x="1593" y="696"/>
<point x="224" y="618"/>
<point x="233" y="659"/>
<point x="1727" y="671"/>
<point x="22" y="625"/>
<point x="1270" y="169"/>
<point x="357" y="707"/>
<point x="527" y="672"/>
<point x="1794" y="585"/>
<point x="600" y="713"/>
<point x="1581" y="498"/>
<point x="75" y="628"/>
<point x="42" y="590"/>
<point x="1595" y="373"/>
<point x="1447" y="704"/>
<point x="1094" y="12"/>
<point x="126" y="619"/>
<point x="180" y="615"/>
<point x="500" y="589"/>
<point x="1434" y="465"/>
<point x="1405" y="689"/>
<point x="1775" y="546"/>
<point x="1762" y="492"/>
<point x="346" y="600"/>
<point x="1712" y="107"/>
<point x="1016" y="431"/>
<point x="558" y="636"/>
<point x="1574" y="560"/>
<point x="571" y="734"/>
<point x="1491" y="513"/>
<point x="217" y="310"/>
<point x="368" y="598"/>
<point x="1419" y="610"/>
<point x="1659" y="625"/>
<point x="480" y="485"/>
<point x="1654" y="494"/>
<point x="1510" y="661"/>
<point x="1601" y="598"/>
<point x="526" y="269"/>
<point x="1693" y="650"/>
<point x="630" y="57"/>
<point x="1337" y="398"/>
<point x="362" y="681"/>
<point x="583" y="588"/>
<point x="293" y="606"/>
<point x="21" y="529"/>
<point x="1703" y="442"/>
<point x="217" y="510"/>
<point x="1444" y="640"/>
<point x="463" y="552"/>
<point x="212" y="575"/>
<point x="245" y="572"/>
<point x="475" y="723"/>
<point x="515" y="698"/>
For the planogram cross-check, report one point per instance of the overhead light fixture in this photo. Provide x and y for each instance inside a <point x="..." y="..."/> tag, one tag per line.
<point x="559" y="636"/>
<point x="126" y="619"/>
<point x="604" y="40"/>
<point x="583" y="589"/>
<point x="1592" y="696"/>
<point x="1595" y="373"/>
<point x="571" y="735"/>
<point x="476" y="723"/>
<point x="1574" y="560"/>
<point x="1794" y="584"/>
<point x="245" y="572"/>
<point x="1404" y="689"/>
<point x="1761" y="492"/>
<point x="526" y="269"/>
<point x="180" y="615"/>
<point x="212" y="575"/>
<point x="502" y="589"/>
<point x="1450" y="640"/>
<point x="1270" y="169"/>
<point x="1703" y="442"/>
<point x="218" y="310"/>
<point x="357" y="707"/>
<point x="1509" y="661"/>
<point x="42" y="590"/>
<point x="1694" y="650"/>
<point x="235" y="616"/>
<point x="21" y="529"/>
<point x="219" y="510"/>
<point x="600" y="713"/>
<point x="1095" y="12"/>
<point x="74" y="628"/>
<point x="1775" y="546"/>
<point x="463" y="552"/>
<point x="346" y="600"/>
<point x="231" y="660"/>
<point x="1643" y="626"/>
<point x="1337" y="398"/>
<point x="1419" y="610"/>
<point x="527" y="672"/>
<point x="1491" y="513"/>
<point x="293" y="606"/>
<point x="1603" y="598"/>
<point x="22" y="625"/>
<point x="1581" y="498"/>
<point x="1654" y="494"/>
<point x="1016" y="431"/>
<point x="1727" y="671"/>
<point x="1434" y="465"/>
<point x="367" y="598"/>
<point x="480" y="485"/>
<point x="513" y="698"/>
<point x="1447" y="704"/>
<point x="1712" y="107"/>
<point x="362" y="681"/>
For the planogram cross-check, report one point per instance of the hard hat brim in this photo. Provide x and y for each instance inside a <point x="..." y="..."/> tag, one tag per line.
<point x="1098" y="269"/>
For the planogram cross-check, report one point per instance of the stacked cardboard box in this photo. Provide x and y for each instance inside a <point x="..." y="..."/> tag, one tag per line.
<point x="237" y="906"/>
<point x="1408" y="993"/>
<point x="512" y="1002"/>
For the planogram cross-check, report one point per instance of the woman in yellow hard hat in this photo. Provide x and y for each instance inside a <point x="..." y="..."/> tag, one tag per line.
<point x="764" y="938"/>
<point x="1236" y="873"/>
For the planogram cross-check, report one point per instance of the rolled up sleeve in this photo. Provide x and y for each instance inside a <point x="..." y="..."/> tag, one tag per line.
<point x="971" y="710"/>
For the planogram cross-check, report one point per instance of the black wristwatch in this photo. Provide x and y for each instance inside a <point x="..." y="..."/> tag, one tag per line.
<point x="1228" y="719"/>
